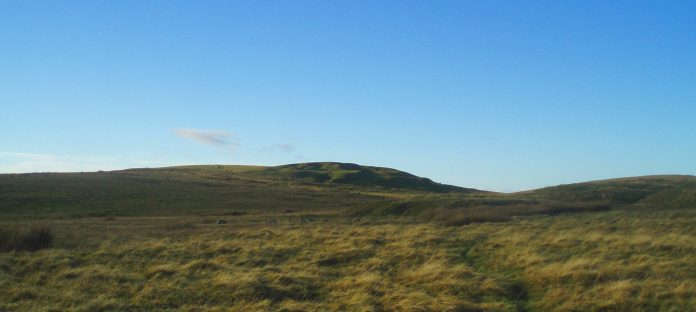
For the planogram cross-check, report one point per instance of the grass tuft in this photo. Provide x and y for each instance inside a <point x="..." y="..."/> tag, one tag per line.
<point x="12" y="239"/>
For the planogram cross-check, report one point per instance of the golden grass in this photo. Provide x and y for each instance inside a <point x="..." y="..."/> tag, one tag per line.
<point x="602" y="262"/>
<point x="606" y="261"/>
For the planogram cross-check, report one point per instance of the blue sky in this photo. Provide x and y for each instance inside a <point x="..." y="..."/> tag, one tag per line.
<point x="494" y="95"/>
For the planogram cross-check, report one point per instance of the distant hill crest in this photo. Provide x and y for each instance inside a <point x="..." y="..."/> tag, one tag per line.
<point x="358" y="175"/>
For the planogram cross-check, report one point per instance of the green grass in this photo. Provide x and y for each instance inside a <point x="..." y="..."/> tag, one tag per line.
<point x="359" y="176"/>
<point x="161" y="192"/>
<point x="651" y="192"/>
<point x="360" y="190"/>
<point x="626" y="191"/>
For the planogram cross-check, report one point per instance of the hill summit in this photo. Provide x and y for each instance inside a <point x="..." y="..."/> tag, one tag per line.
<point x="358" y="175"/>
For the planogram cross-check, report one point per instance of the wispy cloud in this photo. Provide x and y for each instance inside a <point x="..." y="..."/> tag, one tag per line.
<point x="285" y="147"/>
<point x="219" y="138"/>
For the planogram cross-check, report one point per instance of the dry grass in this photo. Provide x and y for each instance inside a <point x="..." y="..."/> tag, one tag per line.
<point x="607" y="261"/>
<point x="289" y="266"/>
<point x="618" y="261"/>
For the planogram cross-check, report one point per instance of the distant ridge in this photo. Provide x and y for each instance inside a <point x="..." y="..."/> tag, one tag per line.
<point x="669" y="191"/>
<point x="208" y="189"/>
<point x="233" y="189"/>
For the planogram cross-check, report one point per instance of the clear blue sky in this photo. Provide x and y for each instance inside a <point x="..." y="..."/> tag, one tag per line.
<point x="494" y="95"/>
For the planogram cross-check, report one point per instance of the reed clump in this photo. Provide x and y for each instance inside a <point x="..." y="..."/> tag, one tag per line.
<point x="14" y="239"/>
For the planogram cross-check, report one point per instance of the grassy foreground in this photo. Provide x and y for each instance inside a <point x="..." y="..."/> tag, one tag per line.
<point x="601" y="261"/>
<point x="340" y="237"/>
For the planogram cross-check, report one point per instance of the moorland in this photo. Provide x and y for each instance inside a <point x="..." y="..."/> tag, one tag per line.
<point x="340" y="237"/>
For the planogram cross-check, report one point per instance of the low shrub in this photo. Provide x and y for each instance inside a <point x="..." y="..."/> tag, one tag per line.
<point x="234" y="213"/>
<point x="12" y="239"/>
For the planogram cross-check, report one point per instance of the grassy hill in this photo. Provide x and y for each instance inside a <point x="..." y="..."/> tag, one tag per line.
<point x="203" y="190"/>
<point x="665" y="191"/>
<point x="358" y="190"/>
<point x="359" y="176"/>
<point x="649" y="192"/>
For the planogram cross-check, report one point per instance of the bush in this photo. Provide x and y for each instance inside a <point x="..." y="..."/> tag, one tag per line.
<point x="36" y="238"/>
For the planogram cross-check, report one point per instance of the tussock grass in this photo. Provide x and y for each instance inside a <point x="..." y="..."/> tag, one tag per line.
<point x="14" y="239"/>
<point x="570" y="262"/>
<point x="334" y="266"/>
<point x="604" y="261"/>
<point x="616" y="261"/>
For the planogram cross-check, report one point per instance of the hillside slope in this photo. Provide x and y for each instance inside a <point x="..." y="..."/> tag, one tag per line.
<point x="668" y="191"/>
<point x="213" y="189"/>
<point x="649" y="192"/>
<point x="328" y="186"/>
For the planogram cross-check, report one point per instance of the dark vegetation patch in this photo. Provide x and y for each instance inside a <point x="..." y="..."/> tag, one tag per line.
<point x="464" y="216"/>
<point x="462" y="210"/>
<point x="233" y="213"/>
<point x="14" y="239"/>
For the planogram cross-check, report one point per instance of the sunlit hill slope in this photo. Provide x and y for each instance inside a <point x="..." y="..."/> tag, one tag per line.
<point x="359" y="190"/>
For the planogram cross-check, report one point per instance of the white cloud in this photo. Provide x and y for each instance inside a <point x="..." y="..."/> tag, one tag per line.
<point x="209" y="137"/>
<point x="286" y="147"/>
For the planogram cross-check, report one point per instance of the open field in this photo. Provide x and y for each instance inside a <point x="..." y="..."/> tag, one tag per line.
<point x="150" y="240"/>
<point x="603" y="261"/>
